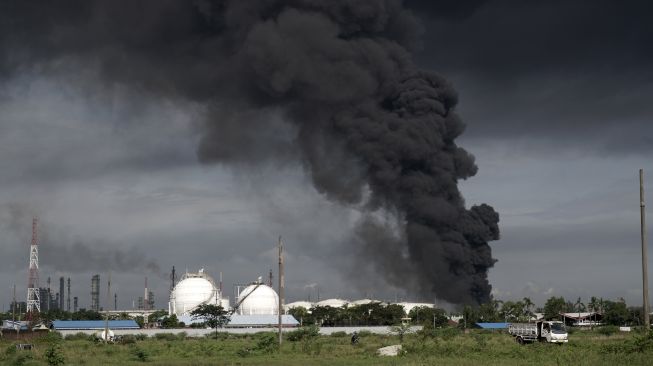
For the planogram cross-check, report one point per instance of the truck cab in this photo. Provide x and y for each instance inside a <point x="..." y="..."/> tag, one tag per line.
<point x="552" y="331"/>
<point x="543" y="331"/>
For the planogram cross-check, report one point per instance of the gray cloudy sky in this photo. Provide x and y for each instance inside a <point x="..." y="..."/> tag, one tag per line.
<point x="556" y="98"/>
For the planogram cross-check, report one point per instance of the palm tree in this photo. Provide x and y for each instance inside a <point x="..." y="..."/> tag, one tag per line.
<point x="528" y="304"/>
<point x="593" y="306"/>
<point x="579" y="307"/>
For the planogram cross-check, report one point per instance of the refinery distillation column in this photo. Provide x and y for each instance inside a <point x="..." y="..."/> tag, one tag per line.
<point x="33" y="295"/>
<point x="95" y="292"/>
<point x="68" y="297"/>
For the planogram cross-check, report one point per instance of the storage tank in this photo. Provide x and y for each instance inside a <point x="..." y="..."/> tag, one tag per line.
<point x="334" y="303"/>
<point x="192" y="290"/>
<point x="298" y="304"/>
<point x="258" y="299"/>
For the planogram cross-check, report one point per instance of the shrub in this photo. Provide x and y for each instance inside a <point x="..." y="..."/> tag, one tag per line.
<point x="140" y="354"/>
<point x="128" y="339"/>
<point x="140" y="336"/>
<point x="10" y="350"/>
<point x="267" y="343"/>
<point x="638" y="344"/>
<point x="22" y="358"/>
<point x="302" y="333"/>
<point x="54" y="355"/>
<point x="52" y="337"/>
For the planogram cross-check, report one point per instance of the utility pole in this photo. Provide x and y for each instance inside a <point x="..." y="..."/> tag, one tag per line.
<point x="106" y="312"/>
<point x="13" y="312"/>
<point x="281" y="285"/>
<point x="647" y="322"/>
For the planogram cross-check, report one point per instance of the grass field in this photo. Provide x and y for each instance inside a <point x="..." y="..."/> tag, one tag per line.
<point x="442" y="348"/>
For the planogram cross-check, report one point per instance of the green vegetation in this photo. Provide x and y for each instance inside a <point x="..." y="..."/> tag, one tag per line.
<point x="439" y="346"/>
<point x="214" y="315"/>
<point x="374" y="314"/>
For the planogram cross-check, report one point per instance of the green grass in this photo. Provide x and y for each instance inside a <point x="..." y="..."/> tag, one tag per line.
<point x="585" y="348"/>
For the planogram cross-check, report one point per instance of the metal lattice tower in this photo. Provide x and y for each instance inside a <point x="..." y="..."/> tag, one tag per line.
<point x="33" y="295"/>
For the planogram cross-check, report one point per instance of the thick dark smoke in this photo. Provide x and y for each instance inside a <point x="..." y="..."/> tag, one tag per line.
<point x="371" y="129"/>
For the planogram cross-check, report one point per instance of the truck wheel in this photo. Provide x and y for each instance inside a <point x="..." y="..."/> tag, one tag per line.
<point x="520" y="340"/>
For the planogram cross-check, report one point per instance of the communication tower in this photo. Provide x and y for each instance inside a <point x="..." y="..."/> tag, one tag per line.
<point x="33" y="293"/>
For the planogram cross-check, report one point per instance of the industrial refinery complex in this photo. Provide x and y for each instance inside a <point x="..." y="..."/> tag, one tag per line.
<point x="255" y="304"/>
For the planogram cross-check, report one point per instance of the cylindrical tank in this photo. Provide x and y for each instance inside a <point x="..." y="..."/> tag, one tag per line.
<point x="258" y="299"/>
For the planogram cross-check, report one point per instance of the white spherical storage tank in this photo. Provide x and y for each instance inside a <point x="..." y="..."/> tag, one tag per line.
<point x="258" y="299"/>
<point x="192" y="290"/>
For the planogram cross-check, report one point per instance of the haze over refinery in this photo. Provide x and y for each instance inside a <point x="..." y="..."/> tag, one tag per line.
<point x="177" y="144"/>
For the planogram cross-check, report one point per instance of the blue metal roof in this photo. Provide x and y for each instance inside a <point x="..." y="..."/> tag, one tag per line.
<point x="93" y="324"/>
<point x="492" y="325"/>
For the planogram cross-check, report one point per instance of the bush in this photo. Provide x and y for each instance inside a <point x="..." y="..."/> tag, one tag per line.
<point x="302" y="333"/>
<point x="54" y="355"/>
<point x="140" y="336"/>
<point x="52" y="337"/>
<point x="10" y="350"/>
<point x="639" y="344"/>
<point x="140" y="354"/>
<point x="22" y="358"/>
<point x="128" y="339"/>
<point x="267" y="343"/>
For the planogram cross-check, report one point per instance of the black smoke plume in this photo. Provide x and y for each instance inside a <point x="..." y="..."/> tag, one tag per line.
<point x="371" y="128"/>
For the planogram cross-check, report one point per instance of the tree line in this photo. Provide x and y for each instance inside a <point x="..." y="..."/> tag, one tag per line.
<point x="380" y="314"/>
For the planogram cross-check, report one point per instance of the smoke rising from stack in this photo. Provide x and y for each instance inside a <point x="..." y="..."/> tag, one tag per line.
<point x="372" y="130"/>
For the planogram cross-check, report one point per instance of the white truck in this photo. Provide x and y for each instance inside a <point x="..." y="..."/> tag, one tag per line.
<point x="543" y="331"/>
